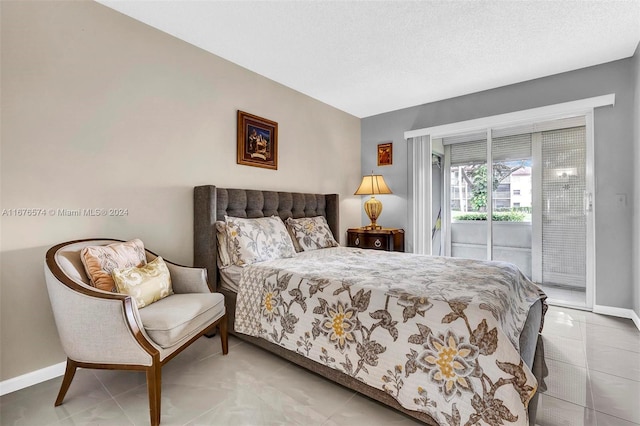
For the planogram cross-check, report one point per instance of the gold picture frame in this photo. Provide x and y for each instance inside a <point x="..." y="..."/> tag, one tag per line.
<point x="385" y="154"/>
<point x="257" y="141"/>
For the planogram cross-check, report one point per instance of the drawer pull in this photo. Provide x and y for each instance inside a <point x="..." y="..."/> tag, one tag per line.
<point x="378" y="244"/>
<point x="357" y="241"/>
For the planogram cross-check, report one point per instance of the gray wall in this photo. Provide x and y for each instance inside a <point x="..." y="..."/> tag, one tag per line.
<point x="614" y="162"/>
<point x="102" y="111"/>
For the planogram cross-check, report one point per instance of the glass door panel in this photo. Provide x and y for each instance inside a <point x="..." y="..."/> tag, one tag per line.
<point x="512" y="200"/>
<point x="468" y="199"/>
<point x="564" y="220"/>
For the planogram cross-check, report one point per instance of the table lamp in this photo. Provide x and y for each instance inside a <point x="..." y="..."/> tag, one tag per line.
<point x="372" y="185"/>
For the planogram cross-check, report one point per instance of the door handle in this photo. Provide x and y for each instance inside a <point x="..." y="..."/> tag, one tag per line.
<point x="588" y="201"/>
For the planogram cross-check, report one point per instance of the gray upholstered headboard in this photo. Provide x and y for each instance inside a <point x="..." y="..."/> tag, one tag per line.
<point x="211" y="204"/>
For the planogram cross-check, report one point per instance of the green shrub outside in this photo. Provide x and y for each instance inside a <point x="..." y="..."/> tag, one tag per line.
<point x="497" y="216"/>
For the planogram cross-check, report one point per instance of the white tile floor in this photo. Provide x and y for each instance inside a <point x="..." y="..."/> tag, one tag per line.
<point x="565" y="296"/>
<point x="594" y="379"/>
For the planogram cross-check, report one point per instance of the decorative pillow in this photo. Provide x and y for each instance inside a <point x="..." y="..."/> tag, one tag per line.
<point x="311" y="233"/>
<point x="100" y="261"/>
<point x="224" y="258"/>
<point x="256" y="240"/>
<point x="146" y="284"/>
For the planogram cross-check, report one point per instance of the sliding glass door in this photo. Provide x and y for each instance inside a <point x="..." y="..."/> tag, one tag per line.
<point x="521" y="195"/>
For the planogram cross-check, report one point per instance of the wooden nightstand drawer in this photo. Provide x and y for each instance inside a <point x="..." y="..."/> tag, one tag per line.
<point x="389" y="239"/>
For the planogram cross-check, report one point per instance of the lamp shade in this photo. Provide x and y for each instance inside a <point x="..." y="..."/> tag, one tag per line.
<point x="371" y="185"/>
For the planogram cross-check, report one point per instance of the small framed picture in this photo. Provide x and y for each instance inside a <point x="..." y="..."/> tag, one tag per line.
<point x="385" y="154"/>
<point x="257" y="141"/>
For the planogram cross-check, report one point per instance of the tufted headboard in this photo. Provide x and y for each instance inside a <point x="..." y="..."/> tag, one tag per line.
<point x="211" y="203"/>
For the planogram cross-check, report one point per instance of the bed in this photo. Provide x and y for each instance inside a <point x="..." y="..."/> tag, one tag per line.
<point x="392" y="342"/>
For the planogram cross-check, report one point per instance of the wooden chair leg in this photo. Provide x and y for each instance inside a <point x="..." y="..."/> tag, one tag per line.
<point x="69" y="372"/>
<point x="154" y="386"/>
<point x="224" y="338"/>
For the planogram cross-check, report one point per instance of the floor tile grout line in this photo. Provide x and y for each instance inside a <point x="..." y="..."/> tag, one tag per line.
<point x="586" y="363"/>
<point x="614" y="375"/>
<point x="199" y="415"/>
<point x="102" y="384"/>
<point x="560" y="336"/>
<point x="617" y="417"/>
<point x="353" y="395"/>
<point x="588" y="408"/>
<point x="588" y="383"/>
<point x="91" y="407"/>
<point x="113" y="398"/>
<point x="631" y="330"/>
<point x="586" y="342"/>
<point x="547" y="357"/>
<point x="569" y="402"/>
<point x="592" y="345"/>
<point x="219" y="352"/>
<point x="310" y="374"/>
<point x="565" y="362"/>
<point x="568" y="363"/>
<point x="585" y="320"/>
<point x="561" y="398"/>
<point x="614" y="347"/>
<point x="124" y="411"/>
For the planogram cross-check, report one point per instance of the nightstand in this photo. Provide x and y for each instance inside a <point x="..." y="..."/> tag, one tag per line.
<point x="389" y="239"/>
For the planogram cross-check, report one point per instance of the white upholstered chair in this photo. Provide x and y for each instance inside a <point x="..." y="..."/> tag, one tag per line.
<point x="105" y="330"/>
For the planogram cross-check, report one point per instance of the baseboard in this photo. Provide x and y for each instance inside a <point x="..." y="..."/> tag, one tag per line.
<point x="618" y="312"/>
<point x="636" y="319"/>
<point x="32" y="378"/>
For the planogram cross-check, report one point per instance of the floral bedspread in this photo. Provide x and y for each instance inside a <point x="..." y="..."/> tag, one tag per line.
<point x="438" y="334"/>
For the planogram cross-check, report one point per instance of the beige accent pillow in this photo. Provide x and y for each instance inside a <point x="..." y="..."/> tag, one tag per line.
<point x="100" y="261"/>
<point x="256" y="240"/>
<point x="311" y="233"/>
<point x="146" y="284"/>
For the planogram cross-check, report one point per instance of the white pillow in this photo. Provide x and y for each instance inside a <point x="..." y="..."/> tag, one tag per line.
<point x="256" y="240"/>
<point x="224" y="259"/>
<point x="311" y="233"/>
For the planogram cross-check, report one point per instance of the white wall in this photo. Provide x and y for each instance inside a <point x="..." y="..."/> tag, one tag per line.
<point x="101" y="111"/>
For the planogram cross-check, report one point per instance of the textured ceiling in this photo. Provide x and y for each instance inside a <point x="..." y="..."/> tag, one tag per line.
<point x="371" y="57"/>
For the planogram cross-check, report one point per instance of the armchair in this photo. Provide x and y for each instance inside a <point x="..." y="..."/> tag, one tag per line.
<point x="105" y="330"/>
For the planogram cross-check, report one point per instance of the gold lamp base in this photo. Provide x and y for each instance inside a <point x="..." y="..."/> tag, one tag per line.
<point x="373" y="208"/>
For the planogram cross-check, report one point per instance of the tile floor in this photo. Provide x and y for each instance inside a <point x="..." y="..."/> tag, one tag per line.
<point x="594" y="379"/>
<point x="565" y="296"/>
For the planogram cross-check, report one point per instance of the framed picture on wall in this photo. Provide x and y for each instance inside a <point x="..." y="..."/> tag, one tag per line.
<point x="257" y="141"/>
<point x="385" y="154"/>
